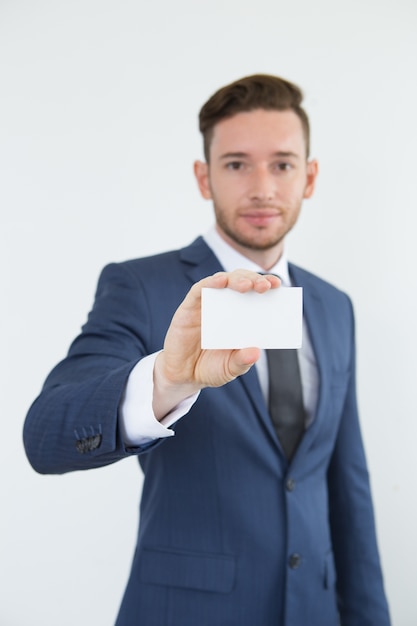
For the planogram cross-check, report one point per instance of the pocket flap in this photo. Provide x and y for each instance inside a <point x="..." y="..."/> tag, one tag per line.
<point x="206" y="572"/>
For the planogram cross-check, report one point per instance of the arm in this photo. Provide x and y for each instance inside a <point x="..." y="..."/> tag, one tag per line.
<point x="74" y="422"/>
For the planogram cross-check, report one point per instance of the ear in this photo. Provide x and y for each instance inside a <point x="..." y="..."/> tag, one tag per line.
<point x="312" y="172"/>
<point x="201" y="172"/>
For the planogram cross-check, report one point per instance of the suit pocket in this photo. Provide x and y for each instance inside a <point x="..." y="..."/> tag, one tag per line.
<point x="191" y="570"/>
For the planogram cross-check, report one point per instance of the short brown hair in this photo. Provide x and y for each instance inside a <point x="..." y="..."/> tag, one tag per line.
<point x="260" y="91"/>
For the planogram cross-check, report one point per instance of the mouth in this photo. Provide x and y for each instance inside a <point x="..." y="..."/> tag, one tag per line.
<point x="261" y="217"/>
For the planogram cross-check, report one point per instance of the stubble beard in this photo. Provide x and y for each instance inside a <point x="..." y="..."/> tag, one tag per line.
<point x="250" y="242"/>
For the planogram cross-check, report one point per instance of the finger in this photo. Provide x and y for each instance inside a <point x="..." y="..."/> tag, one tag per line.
<point x="241" y="280"/>
<point x="245" y="280"/>
<point x="242" y="360"/>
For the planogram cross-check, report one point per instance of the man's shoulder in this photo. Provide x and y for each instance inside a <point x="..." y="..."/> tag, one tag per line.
<point x="191" y="262"/>
<point x="195" y="252"/>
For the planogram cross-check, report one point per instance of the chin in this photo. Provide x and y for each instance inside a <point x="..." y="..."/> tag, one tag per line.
<point x="258" y="243"/>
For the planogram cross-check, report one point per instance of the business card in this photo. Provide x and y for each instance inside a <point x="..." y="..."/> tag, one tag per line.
<point x="231" y="320"/>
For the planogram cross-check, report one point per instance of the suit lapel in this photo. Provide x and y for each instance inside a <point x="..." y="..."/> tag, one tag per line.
<point x="199" y="261"/>
<point x="315" y="315"/>
<point x="252" y="387"/>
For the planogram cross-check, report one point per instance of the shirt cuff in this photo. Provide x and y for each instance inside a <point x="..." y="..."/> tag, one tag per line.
<point x="137" y="421"/>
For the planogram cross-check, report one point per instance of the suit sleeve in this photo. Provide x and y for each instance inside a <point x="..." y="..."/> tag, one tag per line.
<point x="73" y="424"/>
<point x="359" y="578"/>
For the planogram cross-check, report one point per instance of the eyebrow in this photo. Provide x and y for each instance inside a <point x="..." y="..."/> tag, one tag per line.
<point x="242" y="155"/>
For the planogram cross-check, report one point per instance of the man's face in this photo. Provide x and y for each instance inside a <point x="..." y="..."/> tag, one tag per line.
<point x="257" y="177"/>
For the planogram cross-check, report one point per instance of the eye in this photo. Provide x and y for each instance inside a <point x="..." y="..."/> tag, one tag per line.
<point x="234" y="165"/>
<point x="283" y="166"/>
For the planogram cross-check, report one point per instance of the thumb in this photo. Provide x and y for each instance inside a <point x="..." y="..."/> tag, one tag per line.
<point x="242" y="360"/>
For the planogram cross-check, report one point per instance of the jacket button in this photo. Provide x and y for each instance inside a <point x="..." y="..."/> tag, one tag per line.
<point x="294" y="561"/>
<point x="290" y="484"/>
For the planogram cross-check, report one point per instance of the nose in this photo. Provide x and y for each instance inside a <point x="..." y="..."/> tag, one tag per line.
<point x="262" y="186"/>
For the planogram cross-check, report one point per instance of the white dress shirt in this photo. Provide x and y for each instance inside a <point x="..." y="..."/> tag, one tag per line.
<point x="137" y="420"/>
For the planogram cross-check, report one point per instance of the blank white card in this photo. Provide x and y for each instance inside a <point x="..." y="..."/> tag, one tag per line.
<point x="231" y="320"/>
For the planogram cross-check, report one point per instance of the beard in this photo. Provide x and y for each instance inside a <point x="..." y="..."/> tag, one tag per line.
<point x="259" y="238"/>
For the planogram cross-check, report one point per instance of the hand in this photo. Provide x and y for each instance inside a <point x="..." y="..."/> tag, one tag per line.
<point x="183" y="368"/>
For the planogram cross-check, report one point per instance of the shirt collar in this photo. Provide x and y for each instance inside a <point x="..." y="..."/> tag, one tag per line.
<point x="230" y="259"/>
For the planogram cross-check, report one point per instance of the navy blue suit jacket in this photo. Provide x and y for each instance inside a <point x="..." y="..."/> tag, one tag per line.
<point x="230" y="533"/>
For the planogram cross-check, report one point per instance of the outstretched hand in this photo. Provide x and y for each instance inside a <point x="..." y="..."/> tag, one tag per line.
<point x="183" y="368"/>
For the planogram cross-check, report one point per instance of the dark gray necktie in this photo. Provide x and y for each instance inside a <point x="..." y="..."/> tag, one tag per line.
<point x="286" y="398"/>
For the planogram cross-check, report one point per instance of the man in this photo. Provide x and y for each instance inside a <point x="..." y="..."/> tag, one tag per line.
<point x="236" y="528"/>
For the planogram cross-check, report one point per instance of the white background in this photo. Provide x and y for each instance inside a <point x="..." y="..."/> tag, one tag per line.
<point x="98" y="131"/>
